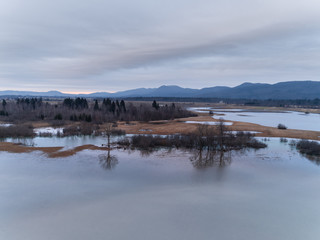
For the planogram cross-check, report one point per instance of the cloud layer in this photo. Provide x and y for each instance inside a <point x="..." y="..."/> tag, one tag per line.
<point x="115" y="45"/>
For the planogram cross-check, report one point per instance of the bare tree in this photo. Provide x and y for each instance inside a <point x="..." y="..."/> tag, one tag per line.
<point x="108" y="132"/>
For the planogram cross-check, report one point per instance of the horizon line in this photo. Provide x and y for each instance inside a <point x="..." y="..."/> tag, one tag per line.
<point x="112" y="92"/>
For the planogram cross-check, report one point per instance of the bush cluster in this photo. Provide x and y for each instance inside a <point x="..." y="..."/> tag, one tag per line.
<point x="309" y="147"/>
<point x="204" y="138"/>
<point x="282" y="126"/>
<point x="16" y="131"/>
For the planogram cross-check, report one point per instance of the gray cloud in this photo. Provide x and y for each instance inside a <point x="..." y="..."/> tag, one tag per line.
<point x="115" y="45"/>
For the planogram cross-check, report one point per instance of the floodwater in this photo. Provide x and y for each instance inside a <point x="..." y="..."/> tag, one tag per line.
<point x="66" y="142"/>
<point x="291" y="119"/>
<point x="266" y="194"/>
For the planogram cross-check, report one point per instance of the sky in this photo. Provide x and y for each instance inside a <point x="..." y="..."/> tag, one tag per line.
<point x="114" y="45"/>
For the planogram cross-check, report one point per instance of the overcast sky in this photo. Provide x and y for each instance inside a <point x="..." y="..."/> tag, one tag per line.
<point x="113" y="45"/>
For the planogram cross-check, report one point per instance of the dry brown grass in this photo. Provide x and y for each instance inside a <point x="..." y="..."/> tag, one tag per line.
<point x="179" y="126"/>
<point x="52" y="152"/>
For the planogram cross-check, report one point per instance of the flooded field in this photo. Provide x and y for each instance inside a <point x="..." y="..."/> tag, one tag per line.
<point x="66" y="142"/>
<point x="269" y="193"/>
<point x="291" y="119"/>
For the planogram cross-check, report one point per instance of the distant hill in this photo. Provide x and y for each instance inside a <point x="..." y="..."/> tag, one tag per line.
<point x="33" y="94"/>
<point x="281" y="90"/>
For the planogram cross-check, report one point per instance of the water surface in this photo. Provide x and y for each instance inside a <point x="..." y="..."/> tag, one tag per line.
<point x="271" y="193"/>
<point x="291" y="119"/>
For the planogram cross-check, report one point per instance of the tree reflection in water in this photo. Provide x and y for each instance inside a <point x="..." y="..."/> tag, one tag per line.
<point x="200" y="159"/>
<point x="314" y="159"/>
<point x="205" y="158"/>
<point x="24" y="141"/>
<point x="146" y="153"/>
<point x="108" y="161"/>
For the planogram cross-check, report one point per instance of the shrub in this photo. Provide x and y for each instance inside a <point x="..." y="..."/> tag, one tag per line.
<point x="117" y="132"/>
<point x="283" y="140"/>
<point x="58" y="116"/>
<point x="254" y="143"/>
<point x="148" y="141"/>
<point x="124" y="142"/>
<point x="16" y="131"/>
<point x="309" y="147"/>
<point x="282" y="126"/>
<point x="45" y="134"/>
<point x="72" y="130"/>
<point x="83" y="129"/>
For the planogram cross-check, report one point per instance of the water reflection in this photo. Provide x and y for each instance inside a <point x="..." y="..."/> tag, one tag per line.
<point x="314" y="159"/>
<point x="293" y="120"/>
<point x="200" y="159"/>
<point x="162" y="194"/>
<point x="149" y="152"/>
<point x="23" y="141"/>
<point x="108" y="161"/>
<point x="146" y="152"/>
<point x="206" y="158"/>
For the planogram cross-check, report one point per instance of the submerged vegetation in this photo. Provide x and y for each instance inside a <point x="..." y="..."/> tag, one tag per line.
<point x="213" y="138"/>
<point x="311" y="148"/>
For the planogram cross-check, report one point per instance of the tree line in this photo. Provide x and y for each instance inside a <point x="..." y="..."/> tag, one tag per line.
<point x="87" y="110"/>
<point x="302" y="103"/>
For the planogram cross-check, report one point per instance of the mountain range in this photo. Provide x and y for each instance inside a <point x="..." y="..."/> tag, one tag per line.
<point x="281" y="90"/>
